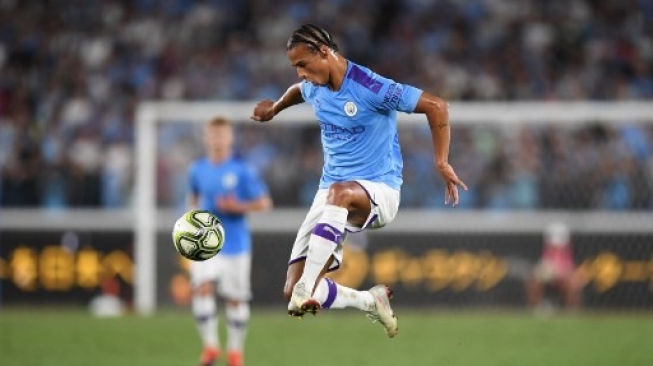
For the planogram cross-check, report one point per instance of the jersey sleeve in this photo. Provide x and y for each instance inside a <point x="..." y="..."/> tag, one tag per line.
<point x="392" y="96"/>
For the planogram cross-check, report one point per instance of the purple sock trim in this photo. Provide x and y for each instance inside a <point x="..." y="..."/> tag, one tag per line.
<point x="237" y="323"/>
<point x="327" y="232"/>
<point x="204" y="318"/>
<point x="331" y="297"/>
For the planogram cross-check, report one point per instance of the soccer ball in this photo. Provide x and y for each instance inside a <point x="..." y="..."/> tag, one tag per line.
<point x="198" y="235"/>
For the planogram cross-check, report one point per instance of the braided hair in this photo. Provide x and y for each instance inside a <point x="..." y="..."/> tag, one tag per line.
<point x="312" y="36"/>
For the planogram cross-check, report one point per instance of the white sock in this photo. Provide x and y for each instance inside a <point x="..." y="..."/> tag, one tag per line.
<point x="334" y="296"/>
<point x="237" y="319"/>
<point x="204" y="310"/>
<point x="326" y="236"/>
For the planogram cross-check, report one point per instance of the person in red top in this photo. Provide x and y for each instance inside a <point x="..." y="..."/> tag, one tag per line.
<point x="556" y="269"/>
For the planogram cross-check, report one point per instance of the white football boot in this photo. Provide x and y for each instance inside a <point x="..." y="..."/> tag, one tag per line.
<point x="301" y="302"/>
<point x="382" y="311"/>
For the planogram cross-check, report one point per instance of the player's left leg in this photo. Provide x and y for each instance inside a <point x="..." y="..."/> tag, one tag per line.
<point x="235" y="287"/>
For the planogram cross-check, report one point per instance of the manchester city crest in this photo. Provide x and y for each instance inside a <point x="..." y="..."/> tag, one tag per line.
<point x="350" y="109"/>
<point x="229" y="181"/>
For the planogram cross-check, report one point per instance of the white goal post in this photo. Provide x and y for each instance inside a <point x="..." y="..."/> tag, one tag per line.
<point x="503" y="114"/>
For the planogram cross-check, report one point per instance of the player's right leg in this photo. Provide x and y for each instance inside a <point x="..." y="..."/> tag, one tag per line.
<point x="203" y="276"/>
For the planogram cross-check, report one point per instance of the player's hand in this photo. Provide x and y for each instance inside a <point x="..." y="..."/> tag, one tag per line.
<point x="264" y="111"/>
<point x="452" y="182"/>
<point x="229" y="204"/>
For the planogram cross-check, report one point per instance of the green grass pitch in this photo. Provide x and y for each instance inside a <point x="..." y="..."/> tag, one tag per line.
<point x="74" y="338"/>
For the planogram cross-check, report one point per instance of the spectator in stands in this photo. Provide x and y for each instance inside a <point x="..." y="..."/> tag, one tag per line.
<point x="74" y="74"/>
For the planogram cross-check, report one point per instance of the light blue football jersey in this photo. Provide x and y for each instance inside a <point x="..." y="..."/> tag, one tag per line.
<point x="359" y="126"/>
<point x="233" y="177"/>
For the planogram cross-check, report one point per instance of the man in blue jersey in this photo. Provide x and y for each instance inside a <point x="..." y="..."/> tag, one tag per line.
<point x="362" y="174"/>
<point x="222" y="184"/>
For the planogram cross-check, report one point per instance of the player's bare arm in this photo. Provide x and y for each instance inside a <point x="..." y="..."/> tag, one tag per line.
<point x="437" y="114"/>
<point x="230" y="204"/>
<point x="267" y="109"/>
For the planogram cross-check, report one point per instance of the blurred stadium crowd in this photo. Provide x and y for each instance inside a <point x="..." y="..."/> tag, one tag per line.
<point x="73" y="72"/>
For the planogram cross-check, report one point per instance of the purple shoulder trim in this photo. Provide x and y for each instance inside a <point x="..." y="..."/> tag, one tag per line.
<point x="362" y="78"/>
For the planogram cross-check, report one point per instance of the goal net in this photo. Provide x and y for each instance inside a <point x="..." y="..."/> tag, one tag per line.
<point x="528" y="164"/>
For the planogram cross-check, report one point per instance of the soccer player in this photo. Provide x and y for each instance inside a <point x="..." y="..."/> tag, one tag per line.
<point x="222" y="184"/>
<point x="362" y="174"/>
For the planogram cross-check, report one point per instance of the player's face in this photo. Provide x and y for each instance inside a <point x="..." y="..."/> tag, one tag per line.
<point x="311" y="66"/>
<point x="219" y="139"/>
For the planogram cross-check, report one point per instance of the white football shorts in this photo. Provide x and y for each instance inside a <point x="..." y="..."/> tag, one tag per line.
<point x="385" y="204"/>
<point x="231" y="274"/>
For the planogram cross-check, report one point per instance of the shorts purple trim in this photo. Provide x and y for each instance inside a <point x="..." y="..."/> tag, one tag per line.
<point x="368" y="193"/>
<point x="303" y="258"/>
<point x="336" y="267"/>
<point x="298" y="259"/>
